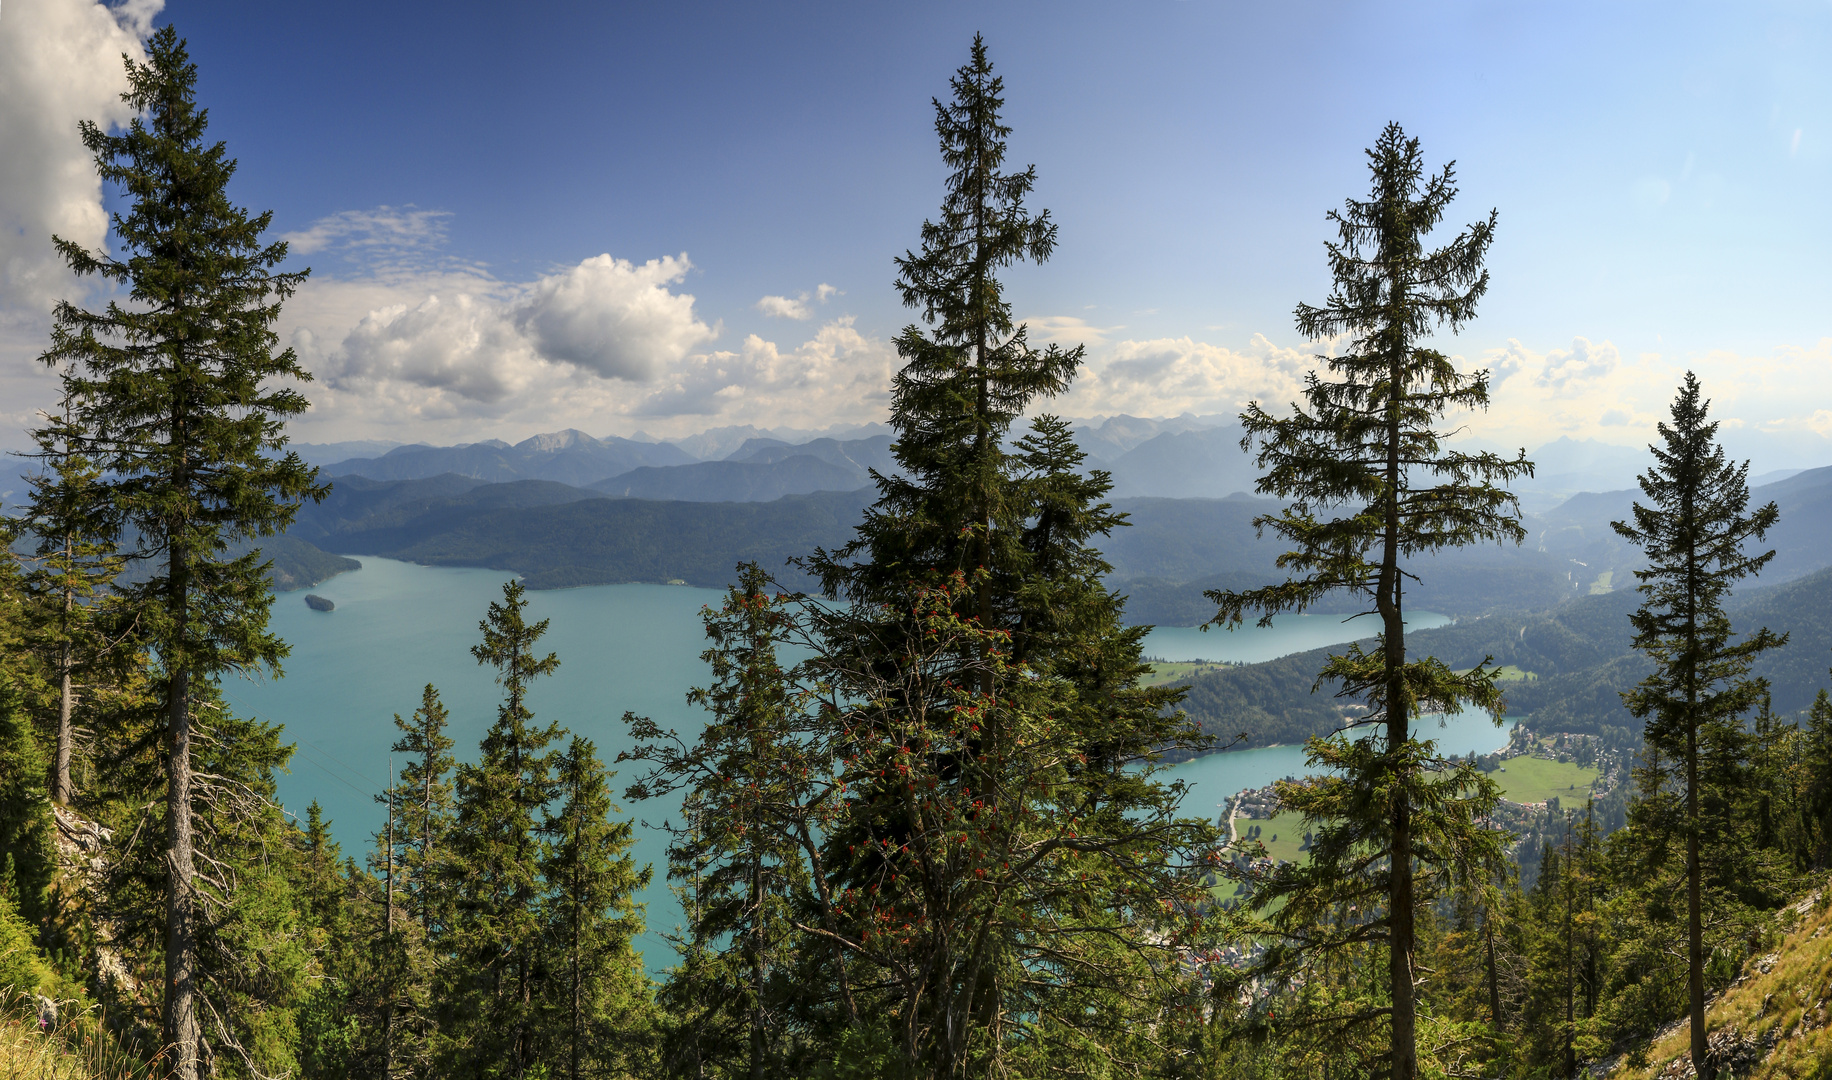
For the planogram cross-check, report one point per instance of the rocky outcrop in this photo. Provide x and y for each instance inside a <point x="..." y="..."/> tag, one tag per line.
<point x="81" y="847"/>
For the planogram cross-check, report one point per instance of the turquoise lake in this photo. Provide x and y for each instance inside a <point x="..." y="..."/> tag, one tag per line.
<point x="398" y="626"/>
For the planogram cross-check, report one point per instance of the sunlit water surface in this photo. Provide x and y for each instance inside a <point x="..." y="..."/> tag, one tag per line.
<point x="398" y="626"/>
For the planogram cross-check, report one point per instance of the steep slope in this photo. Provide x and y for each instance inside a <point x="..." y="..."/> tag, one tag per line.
<point x="1772" y="1022"/>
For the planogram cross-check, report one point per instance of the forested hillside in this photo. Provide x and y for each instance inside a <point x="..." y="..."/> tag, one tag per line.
<point x="918" y="822"/>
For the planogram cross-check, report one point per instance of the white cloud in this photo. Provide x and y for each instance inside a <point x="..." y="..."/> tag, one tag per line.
<point x="450" y="352"/>
<point x="60" y="63"/>
<point x="1068" y="330"/>
<point x="1170" y="376"/>
<point x="614" y="318"/>
<point x="385" y="228"/>
<point x="781" y="307"/>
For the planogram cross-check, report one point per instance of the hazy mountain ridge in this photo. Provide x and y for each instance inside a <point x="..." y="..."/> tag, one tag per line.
<point x="1186" y="456"/>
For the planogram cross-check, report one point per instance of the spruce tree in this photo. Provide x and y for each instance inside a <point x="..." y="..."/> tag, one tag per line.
<point x="746" y="855"/>
<point x="1370" y="487"/>
<point x="495" y="852"/>
<point x="176" y="404"/>
<point x="1816" y="781"/>
<point x="965" y="381"/>
<point x="74" y="565"/>
<point x="981" y="681"/>
<point x="420" y="820"/>
<point x="596" y="1011"/>
<point x="1693" y="530"/>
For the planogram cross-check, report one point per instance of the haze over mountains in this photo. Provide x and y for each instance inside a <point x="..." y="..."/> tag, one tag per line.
<point x="1177" y="457"/>
<point x="566" y="508"/>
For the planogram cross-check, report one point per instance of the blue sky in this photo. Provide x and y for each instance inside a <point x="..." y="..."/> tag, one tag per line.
<point x="482" y="190"/>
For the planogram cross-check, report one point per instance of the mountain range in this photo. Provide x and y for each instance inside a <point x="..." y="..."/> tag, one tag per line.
<point x="1165" y="457"/>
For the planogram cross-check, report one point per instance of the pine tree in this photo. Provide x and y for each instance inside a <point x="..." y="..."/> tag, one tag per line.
<point x="743" y="851"/>
<point x="27" y="833"/>
<point x="418" y="832"/>
<point x="597" y="1009"/>
<point x="1816" y="782"/>
<point x="1371" y="487"/>
<point x="495" y="872"/>
<point x="950" y="506"/>
<point x="1012" y="716"/>
<point x="422" y="800"/>
<point x="75" y="564"/>
<point x="1693" y="533"/>
<point x="174" y="403"/>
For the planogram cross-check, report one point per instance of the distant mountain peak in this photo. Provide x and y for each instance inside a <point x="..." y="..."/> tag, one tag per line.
<point x="555" y="441"/>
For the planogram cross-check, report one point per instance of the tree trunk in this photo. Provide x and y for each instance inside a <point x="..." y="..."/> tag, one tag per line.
<point x="388" y="938"/>
<point x="1695" y="923"/>
<point x="1389" y="600"/>
<point x="181" y="1034"/>
<point x="1494" y="981"/>
<point x="62" y="790"/>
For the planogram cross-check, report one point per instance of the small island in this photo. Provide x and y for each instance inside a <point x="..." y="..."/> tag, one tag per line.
<point x="318" y="603"/>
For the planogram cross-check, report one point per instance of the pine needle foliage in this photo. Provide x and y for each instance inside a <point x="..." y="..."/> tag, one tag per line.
<point x="73" y="564"/>
<point x="964" y="381"/>
<point x="176" y="402"/>
<point x="1693" y="529"/>
<point x="1369" y="485"/>
<point x="495" y="857"/>
<point x="594" y="1015"/>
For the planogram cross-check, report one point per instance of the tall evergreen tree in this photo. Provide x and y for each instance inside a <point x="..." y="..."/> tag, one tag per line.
<point x="750" y="782"/>
<point x="74" y="565"/>
<point x="1693" y="532"/>
<point x="1370" y="486"/>
<point x="175" y="403"/>
<point x="420" y="821"/>
<point x="495" y="871"/>
<point x="963" y="383"/>
<point x="1816" y="780"/>
<point x="596" y="1014"/>
<point x="1035" y="652"/>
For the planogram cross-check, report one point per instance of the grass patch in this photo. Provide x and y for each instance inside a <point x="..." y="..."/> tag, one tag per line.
<point x="1167" y="672"/>
<point x="1534" y="780"/>
<point x="1786" y="1003"/>
<point x="1282" y="834"/>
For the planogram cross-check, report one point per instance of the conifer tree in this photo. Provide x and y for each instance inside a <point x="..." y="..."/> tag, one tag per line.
<point x="28" y="856"/>
<point x="419" y="824"/>
<point x="963" y="383"/>
<point x="1013" y="714"/>
<point x="596" y="1012"/>
<point x="1693" y="531"/>
<point x="1369" y="488"/>
<point x="1816" y="780"/>
<point x="495" y="871"/>
<point x="175" y="403"/>
<point x="74" y="564"/>
<point x="422" y="800"/>
<point x="747" y="852"/>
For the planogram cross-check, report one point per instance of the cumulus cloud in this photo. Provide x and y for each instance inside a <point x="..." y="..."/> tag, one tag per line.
<point x="781" y="307"/>
<point x="452" y="352"/>
<point x="60" y="63"/>
<point x="1169" y="376"/>
<point x="614" y="318"/>
<point x="797" y="307"/>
